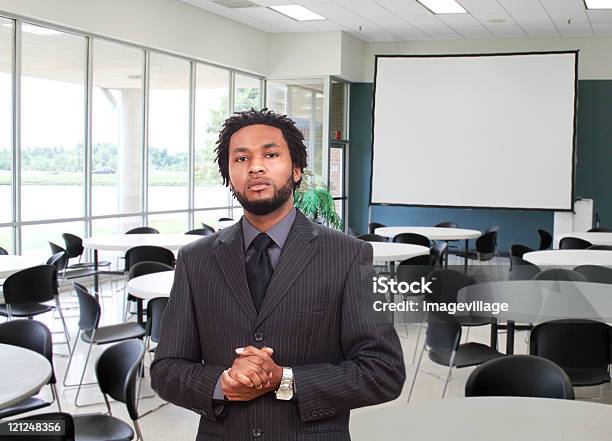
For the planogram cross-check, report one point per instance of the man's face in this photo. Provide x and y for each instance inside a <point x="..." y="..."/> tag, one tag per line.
<point x="260" y="168"/>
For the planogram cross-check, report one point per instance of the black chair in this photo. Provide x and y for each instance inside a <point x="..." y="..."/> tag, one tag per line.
<point x="77" y="272"/>
<point x="486" y="248"/>
<point x="208" y="228"/>
<point x="546" y="239"/>
<point x="117" y="371"/>
<point x="148" y="253"/>
<point x="447" y="224"/>
<point x="519" y="376"/>
<point x="442" y="341"/>
<point x="74" y="249"/>
<point x="35" y="336"/>
<point x="560" y="275"/>
<point x="439" y="252"/>
<point x="3" y="252"/>
<point x="199" y="232"/>
<point x="413" y="239"/>
<point x="222" y="219"/>
<point x="65" y="419"/>
<point x="59" y="261"/>
<point x="600" y="230"/>
<point x="595" y="273"/>
<point x="580" y="347"/>
<point x="600" y="247"/>
<point x="142" y="230"/>
<point x="518" y="250"/>
<point x="141" y="269"/>
<point x="90" y="332"/>
<point x="574" y="243"/>
<point x="372" y="226"/>
<point x="373" y="238"/>
<point x="521" y="269"/>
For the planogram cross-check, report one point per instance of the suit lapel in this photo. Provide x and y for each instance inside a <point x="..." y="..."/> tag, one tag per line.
<point x="231" y="262"/>
<point x="299" y="248"/>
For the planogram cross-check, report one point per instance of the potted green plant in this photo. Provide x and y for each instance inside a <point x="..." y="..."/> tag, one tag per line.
<point x="316" y="202"/>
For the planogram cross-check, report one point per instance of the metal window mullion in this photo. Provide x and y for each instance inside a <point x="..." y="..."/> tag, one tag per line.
<point x="16" y="136"/>
<point x="325" y="144"/>
<point x="191" y="160"/>
<point x="88" y="136"/>
<point x="145" y="137"/>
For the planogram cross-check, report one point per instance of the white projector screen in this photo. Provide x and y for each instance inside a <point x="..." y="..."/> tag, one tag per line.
<point x="489" y="131"/>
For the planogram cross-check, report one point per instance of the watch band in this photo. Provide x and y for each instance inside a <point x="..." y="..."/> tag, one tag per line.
<point x="285" y="389"/>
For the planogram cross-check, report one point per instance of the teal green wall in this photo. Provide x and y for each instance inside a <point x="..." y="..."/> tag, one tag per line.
<point x="593" y="173"/>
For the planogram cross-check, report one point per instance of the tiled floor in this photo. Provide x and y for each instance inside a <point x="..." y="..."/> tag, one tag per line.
<point x="174" y="423"/>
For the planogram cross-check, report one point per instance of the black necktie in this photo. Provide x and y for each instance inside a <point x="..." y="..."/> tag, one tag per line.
<point x="259" y="269"/>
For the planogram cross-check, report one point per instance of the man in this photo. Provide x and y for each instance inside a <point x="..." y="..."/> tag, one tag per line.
<point x="262" y="335"/>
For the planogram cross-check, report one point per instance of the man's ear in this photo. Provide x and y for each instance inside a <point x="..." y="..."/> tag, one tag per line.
<point x="297" y="174"/>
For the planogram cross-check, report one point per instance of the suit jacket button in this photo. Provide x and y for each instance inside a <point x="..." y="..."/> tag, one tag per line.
<point x="259" y="336"/>
<point x="257" y="433"/>
<point x="314" y="413"/>
<point x="333" y="410"/>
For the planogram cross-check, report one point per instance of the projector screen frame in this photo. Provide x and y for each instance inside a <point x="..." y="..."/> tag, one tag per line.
<point x="575" y="52"/>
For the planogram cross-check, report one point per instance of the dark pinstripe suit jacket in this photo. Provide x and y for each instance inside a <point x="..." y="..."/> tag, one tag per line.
<point x="309" y="317"/>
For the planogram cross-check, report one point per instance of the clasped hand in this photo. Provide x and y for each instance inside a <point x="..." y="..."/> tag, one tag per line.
<point x="252" y="374"/>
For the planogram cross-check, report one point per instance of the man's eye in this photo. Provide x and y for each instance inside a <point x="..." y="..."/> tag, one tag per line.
<point x="241" y="158"/>
<point x="271" y="155"/>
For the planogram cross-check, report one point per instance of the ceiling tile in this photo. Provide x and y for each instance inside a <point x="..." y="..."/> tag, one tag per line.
<point x="486" y="10"/>
<point x="531" y="17"/>
<point x="560" y="11"/>
<point x="601" y="21"/>
<point x="466" y="25"/>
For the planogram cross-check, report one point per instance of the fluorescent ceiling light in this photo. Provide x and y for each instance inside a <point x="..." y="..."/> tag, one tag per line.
<point x="443" y="6"/>
<point x="598" y="4"/>
<point x="297" y="12"/>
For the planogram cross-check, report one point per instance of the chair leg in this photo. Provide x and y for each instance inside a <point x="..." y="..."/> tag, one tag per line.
<point x="67" y="385"/>
<point x="138" y="431"/>
<point x="56" y="396"/>
<point x="76" y="398"/>
<point x="416" y="345"/>
<point x="66" y="333"/>
<point x="416" y="372"/>
<point x="450" y="371"/>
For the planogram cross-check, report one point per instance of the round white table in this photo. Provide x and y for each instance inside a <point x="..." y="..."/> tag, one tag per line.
<point x="149" y="286"/>
<point x="391" y="252"/>
<point x="594" y="238"/>
<point x="569" y="258"/>
<point x="226" y="223"/>
<point x="123" y="242"/>
<point x="11" y="264"/>
<point x="483" y="419"/>
<point x="24" y="372"/>
<point x="433" y="233"/>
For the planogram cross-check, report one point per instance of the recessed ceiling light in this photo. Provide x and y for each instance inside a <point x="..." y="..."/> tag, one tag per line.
<point x="497" y="20"/>
<point x="297" y="12"/>
<point x="598" y="4"/>
<point x="443" y="6"/>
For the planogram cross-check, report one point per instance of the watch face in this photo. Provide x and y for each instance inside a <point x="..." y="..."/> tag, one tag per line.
<point x="284" y="393"/>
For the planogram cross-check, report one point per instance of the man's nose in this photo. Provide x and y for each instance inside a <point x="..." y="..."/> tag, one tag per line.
<point x="256" y="166"/>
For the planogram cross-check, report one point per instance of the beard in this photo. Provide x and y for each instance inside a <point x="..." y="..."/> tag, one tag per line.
<point x="261" y="207"/>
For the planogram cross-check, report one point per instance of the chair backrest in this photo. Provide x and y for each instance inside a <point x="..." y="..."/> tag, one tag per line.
<point x="600" y="230"/>
<point x="447" y="224"/>
<point x="595" y="273"/>
<point x="55" y="248"/>
<point x="413" y="239"/>
<point x="89" y="308"/>
<point x="438" y="251"/>
<point x="74" y="245"/>
<point x="372" y="226"/>
<point x="59" y="261"/>
<point x="572" y="344"/>
<point x="64" y="418"/>
<point x="199" y="232"/>
<point x="3" y="252"/>
<point x="147" y="267"/>
<point x="222" y="219"/>
<point x="373" y="238"/>
<point x="155" y="311"/>
<point x="546" y="239"/>
<point x="600" y="247"/>
<point x="574" y="243"/>
<point x="31" y="285"/>
<point x="142" y="230"/>
<point x="117" y="372"/>
<point x="443" y="332"/>
<point x="445" y="284"/>
<point x="486" y="243"/>
<point x="519" y="376"/>
<point x="29" y="334"/>
<point x="517" y="250"/>
<point x="560" y="275"/>
<point x="521" y="269"/>
<point x="208" y="228"/>
<point x="413" y="269"/>
<point x="148" y="253"/>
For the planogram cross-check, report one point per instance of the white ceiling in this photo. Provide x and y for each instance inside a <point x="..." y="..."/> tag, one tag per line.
<point x="405" y="20"/>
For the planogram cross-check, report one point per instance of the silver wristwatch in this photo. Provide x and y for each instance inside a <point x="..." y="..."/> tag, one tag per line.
<point x="285" y="390"/>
